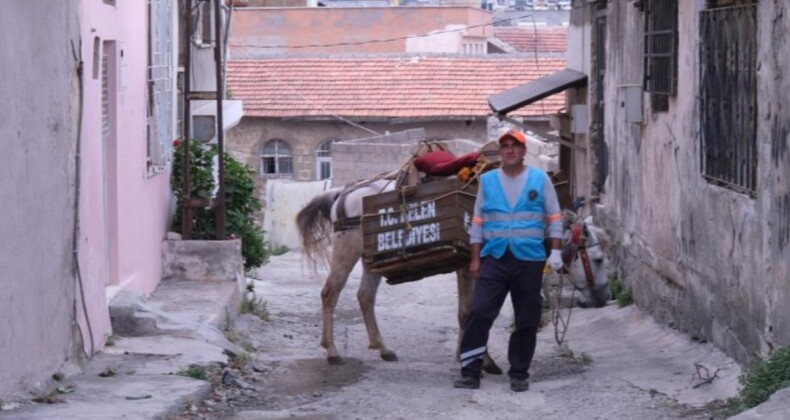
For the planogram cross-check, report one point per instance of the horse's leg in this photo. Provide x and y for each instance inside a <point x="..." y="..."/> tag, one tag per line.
<point x="466" y="288"/>
<point x="367" y="302"/>
<point x="344" y="256"/>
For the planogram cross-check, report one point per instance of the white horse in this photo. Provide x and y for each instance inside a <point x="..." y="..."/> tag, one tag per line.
<point x="316" y="223"/>
<point x="584" y="253"/>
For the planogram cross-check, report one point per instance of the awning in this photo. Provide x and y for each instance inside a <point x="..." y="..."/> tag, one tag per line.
<point x="521" y="96"/>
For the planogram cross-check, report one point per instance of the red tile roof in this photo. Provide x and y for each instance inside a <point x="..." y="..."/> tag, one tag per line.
<point x="527" y="39"/>
<point x="389" y="87"/>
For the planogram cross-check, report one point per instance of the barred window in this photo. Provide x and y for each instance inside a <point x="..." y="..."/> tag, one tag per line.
<point x="661" y="40"/>
<point x="728" y="95"/>
<point x="276" y="159"/>
<point x="160" y="97"/>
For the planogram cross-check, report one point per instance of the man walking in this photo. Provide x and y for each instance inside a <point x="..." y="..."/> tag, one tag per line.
<point x="513" y="206"/>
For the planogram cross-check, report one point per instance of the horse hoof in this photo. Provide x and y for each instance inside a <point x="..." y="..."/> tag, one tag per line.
<point x="492" y="368"/>
<point x="389" y="356"/>
<point x="335" y="360"/>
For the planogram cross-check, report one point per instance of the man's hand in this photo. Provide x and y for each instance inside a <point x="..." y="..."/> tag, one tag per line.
<point x="474" y="267"/>
<point x="555" y="260"/>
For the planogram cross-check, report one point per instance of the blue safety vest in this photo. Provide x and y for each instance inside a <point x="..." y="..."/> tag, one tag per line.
<point x="521" y="228"/>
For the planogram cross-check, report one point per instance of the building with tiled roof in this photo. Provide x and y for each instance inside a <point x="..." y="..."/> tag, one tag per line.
<point x="294" y="107"/>
<point x="259" y="32"/>
<point x="529" y="39"/>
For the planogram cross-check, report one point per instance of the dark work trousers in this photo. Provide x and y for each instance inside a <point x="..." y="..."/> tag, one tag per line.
<point x="498" y="277"/>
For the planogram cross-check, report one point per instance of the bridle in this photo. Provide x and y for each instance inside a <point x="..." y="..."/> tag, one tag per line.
<point x="577" y="247"/>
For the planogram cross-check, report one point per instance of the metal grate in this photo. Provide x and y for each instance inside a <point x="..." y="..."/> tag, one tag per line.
<point x="601" y="150"/>
<point x="105" y="96"/>
<point x="728" y="105"/>
<point x="661" y="40"/>
<point x="161" y="117"/>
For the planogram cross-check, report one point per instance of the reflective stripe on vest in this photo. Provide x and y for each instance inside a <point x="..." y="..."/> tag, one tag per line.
<point x="520" y="228"/>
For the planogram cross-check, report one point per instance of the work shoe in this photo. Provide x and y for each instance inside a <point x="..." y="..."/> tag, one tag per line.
<point x="519" y="385"/>
<point x="467" y="382"/>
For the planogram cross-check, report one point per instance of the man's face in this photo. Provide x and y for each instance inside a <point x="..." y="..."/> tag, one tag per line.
<point x="512" y="151"/>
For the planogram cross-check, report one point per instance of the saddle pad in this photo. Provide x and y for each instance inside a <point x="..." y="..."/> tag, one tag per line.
<point x="443" y="163"/>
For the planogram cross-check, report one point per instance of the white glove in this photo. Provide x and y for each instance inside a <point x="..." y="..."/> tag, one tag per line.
<point x="555" y="260"/>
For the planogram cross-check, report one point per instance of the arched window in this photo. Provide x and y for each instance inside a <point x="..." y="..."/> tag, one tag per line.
<point x="323" y="159"/>
<point x="276" y="159"/>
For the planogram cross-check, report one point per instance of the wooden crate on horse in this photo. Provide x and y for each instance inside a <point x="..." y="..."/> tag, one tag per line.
<point x="418" y="231"/>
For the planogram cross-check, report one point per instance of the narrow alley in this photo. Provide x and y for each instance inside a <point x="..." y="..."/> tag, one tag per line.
<point x="623" y="365"/>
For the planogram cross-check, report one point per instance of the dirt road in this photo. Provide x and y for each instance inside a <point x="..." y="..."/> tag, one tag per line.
<point x="623" y="366"/>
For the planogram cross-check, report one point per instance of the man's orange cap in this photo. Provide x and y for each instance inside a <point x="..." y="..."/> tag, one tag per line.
<point x="515" y="135"/>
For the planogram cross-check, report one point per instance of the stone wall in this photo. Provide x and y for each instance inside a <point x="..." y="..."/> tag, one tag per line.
<point x="708" y="260"/>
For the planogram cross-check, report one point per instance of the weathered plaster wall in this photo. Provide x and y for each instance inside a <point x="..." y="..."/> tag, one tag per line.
<point x="705" y="259"/>
<point x="38" y="130"/>
<point x="774" y="131"/>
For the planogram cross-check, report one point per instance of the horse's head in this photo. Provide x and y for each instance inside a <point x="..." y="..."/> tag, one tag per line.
<point x="594" y="240"/>
<point x="587" y="263"/>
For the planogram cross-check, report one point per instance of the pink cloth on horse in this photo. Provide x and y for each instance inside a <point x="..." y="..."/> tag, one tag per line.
<point x="443" y="163"/>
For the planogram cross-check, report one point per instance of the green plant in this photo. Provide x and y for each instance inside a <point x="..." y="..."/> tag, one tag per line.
<point x="107" y="372"/>
<point x="241" y="204"/>
<point x="241" y="359"/>
<point x="585" y="359"/>
<point x="625" y="298"/>
<point x="194" y="372"/>
<point x="764" y="378"/>
<point x="278" y="250"/>
<point x="235" y="337"/>
<point x="255" y="306"/>
<point x="620" y="291"/>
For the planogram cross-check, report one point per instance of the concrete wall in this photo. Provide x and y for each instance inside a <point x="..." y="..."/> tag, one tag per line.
<point x="253" y="28"/>
<point x="38" y="123"/>
<point x="707" y="260"/>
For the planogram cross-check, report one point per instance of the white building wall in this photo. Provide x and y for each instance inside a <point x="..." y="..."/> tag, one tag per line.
<point x="448" y="40"/>
<point x="284" y="199"/>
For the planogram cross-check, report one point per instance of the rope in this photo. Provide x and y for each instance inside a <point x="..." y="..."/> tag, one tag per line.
<point x="560" y="324"/>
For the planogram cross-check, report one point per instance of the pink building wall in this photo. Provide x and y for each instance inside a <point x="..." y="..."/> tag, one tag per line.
<point x="124" y="205"/>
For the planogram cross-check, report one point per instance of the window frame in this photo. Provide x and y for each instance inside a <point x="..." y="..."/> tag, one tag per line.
<point x="660" y="55"/>
<point x="324" y="146"/>
<point x="160" y="78"/>
<point x="283" y="152"/>
<point x="728" y="96"/>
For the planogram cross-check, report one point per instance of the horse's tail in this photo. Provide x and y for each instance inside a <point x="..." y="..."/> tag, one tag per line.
<point x="314" y="222"/>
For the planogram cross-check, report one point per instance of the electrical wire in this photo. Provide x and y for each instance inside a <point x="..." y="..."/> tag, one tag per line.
<point x="76" y="227"/>
<point x="375" y="41"/>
